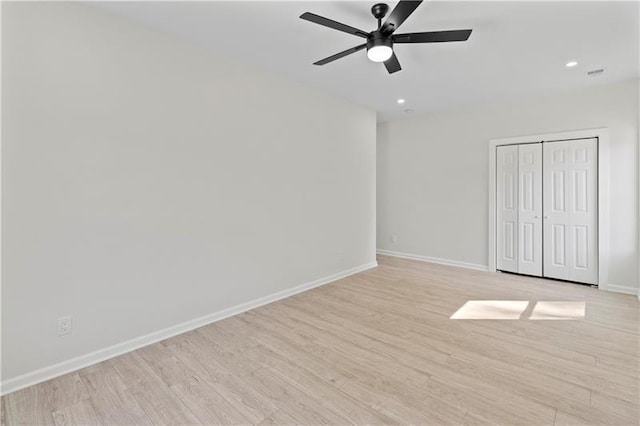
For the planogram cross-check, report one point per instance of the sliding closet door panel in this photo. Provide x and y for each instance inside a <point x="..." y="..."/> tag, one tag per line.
<point x="570" y="210"/>
<point x="530" y="209"/>
<point x="507" y="208"/>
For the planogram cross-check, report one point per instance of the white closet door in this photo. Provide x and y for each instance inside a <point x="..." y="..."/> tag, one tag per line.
<point x="507" y="208"/>
<point x="530" y="209"/>
<point x="570" y="210"/>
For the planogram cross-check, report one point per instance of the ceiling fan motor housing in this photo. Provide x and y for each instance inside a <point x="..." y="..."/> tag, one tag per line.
<point x="378" y="39"/>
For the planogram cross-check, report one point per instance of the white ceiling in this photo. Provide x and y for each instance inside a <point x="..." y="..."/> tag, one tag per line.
<point x="517" y="49"/>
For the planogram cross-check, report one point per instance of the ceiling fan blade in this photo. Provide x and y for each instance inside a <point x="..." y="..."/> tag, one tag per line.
<point x="340" y="55"/>
<point x="432" y="36"/>
<point x="403" y="9"/>
<point x="320" y="20"/>
<point x="392" y="65"/>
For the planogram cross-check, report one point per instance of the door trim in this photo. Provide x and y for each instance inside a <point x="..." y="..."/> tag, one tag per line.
<point x="603" y="190"/>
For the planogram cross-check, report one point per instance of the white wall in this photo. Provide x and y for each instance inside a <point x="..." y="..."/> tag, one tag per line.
<point x="147" y="182"/>
<point x="433" y="173"/>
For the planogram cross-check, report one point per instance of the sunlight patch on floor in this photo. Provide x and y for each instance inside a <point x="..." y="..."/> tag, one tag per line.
<point x="520" y="309"/>
<point x="491" y="309"/>
<point x="558" y="310"/>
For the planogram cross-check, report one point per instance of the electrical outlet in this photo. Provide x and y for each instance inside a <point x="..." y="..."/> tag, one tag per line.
<point x="394" y="239"/>
<point x="65" y="325"/>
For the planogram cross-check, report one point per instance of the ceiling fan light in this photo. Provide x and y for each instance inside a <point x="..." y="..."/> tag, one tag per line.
<point x="379" y="53"/>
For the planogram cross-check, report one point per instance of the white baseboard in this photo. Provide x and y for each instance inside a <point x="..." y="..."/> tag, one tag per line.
<point x="439" y="261"/>
<point x="100" y="355"/>
<point x="623" y="289"/>
<point x="611" y="287"/>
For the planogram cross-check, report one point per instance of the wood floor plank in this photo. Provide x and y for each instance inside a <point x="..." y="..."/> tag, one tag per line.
<point x="297" y="346"/>
<point x="3" y="412"/>
<point x="296" y="403"/>
<point x="192" y="350"/>
<point x="207" y="404"/>
<point x="564" y="419"/>
<point x="253" y="405"/>
<point x="201" y="362"/>
<point x="36" y="404"/>
<point x="167" y="366"/>
<point x="394" y="406"/>
<point x="107" y="390"/>
<point x="80" y="413"/>
<point x="328" y="394"/>
<point x="150" y="391"/>
<point x="490" y="403"/>
<point x="473" y="419"/>
<point x="281" y="417"/>
<point x="28" y="407"/>
<point x="627" y="410"/>
<point x="162" y="404"/>
<point x="378" y="347"/>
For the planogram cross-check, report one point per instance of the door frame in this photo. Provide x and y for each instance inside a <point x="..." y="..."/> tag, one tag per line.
<point x="603" y="190"/>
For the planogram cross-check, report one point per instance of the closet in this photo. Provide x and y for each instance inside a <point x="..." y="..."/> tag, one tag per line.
<point x="546" y="209"/>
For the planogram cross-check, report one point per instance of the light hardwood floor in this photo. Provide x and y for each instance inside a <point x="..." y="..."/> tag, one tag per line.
<point x="375" y="348"/>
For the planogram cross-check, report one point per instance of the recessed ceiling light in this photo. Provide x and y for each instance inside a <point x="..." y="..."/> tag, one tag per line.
<point x="408" y="111"/>
<point x="571" y="64"/>
<point x="400" y="101"/>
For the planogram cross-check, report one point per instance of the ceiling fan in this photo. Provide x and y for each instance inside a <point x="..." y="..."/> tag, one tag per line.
<point x="380" y="42"/>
